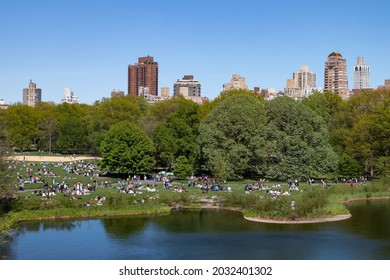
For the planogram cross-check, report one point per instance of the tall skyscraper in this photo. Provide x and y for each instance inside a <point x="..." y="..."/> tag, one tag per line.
<point x="143" y="74"/>
<point x="335" y="76"/>
<point x="302" y="84"/>
<point x="32" y="95"/>
<point x="188" y="87"/>
<point x="236" y="82"/>
<point x="361" y="74"/>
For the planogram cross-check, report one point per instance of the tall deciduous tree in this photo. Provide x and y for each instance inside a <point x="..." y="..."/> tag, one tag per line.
<point x="72" y="135"/>
<point x="49" y="131"/>
<point x="361" y="129"/>
<point x="319" y="104"/>
<point x="177" y="135"/>
<point x="297" y="141"/>
<point x="127" y="149"/>
<point x="183" y="169"/>
<point x="231" y="137"/>
<point x="21" y="126"/>
<point x="111" y="111"/>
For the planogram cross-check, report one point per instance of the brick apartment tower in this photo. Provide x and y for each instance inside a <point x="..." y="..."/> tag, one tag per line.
<point x="335" y="76"/>
<point x="143" y="74"/>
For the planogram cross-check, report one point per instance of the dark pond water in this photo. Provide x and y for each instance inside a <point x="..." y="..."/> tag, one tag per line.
<point x="206" y="234"/>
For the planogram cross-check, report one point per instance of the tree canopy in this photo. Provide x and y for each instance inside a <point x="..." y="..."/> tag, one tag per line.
<point x="127" y="149"/>
<point x="237" y="134"/>
<point x="231" y="137"/>
<point x="297" y="141"/>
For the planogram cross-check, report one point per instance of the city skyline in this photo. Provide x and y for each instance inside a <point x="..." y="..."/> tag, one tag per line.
<point x="88" y="45"/>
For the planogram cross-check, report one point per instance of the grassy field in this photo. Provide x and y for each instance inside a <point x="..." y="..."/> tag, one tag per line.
<point x="308" y="201"/>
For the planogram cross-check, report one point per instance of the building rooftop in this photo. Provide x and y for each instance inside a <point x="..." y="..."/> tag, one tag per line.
<point x="335" y="54"/>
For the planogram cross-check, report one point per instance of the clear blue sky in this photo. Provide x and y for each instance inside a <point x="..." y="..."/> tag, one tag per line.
<point x="87" y="44"/>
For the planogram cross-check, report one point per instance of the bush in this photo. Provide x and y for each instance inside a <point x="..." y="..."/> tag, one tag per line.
<point x="311" y="201"/>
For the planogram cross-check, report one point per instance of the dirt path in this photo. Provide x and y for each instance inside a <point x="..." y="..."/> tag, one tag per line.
<point x="50" y="158"/>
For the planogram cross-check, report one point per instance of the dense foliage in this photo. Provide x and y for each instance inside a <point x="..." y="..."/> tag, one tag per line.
<point x="297" y="142"/>
<point x="127" y="149"/>
<point x="6" y="189"/>
<point x="236" y="135"/>
<point x="233" y="134"/>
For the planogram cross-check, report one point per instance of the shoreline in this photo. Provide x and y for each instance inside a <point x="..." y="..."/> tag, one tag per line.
<point x="365" y="199"/>
<point x="210" y="204"/>
<point x="300" y="221"/>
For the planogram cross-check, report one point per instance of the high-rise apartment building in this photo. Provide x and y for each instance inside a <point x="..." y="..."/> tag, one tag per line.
<point x="117" y="93"/>
<point x="164" y="92"/>
<point x="387" y="84"/>
<point x="69" y="97"/>
<point x="32" y="95"/>
<point x="236" y="82"/>
<point x="302" y="84"/>
<point x="143" y="74"/>
<point x="335" y="76"/>
<point x="361" y="75"/>
<point x="187" y="87"/>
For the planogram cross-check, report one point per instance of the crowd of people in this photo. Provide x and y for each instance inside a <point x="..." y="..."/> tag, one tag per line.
<point x="44" y="173"/>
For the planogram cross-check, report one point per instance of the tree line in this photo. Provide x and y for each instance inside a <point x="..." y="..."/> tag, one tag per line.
<point x="239" y="134"/>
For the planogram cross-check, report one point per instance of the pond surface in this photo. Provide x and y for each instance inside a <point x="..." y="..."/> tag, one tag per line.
<point x="205" y="234"/>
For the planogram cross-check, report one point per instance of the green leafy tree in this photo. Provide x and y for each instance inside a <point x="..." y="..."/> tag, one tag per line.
<point x="219" y="168"/>
<point x="177" y="135"/>
<point x="21" y="126"/>
<point x="65" y="110"/>
<point x="319" y="104"/>
<point x="368" y="139"/>
<point x="165" y="145"/>
<point x="361" y="129"/>
<point x="127" y="149"/>
<point x="111" y="111"/>
<point x="231" y="137"/>
<point x="183" y="169"/>
<point x="349" y="167"/>
<point x="49" y="130"/>
<point x="297" y="141"/>
<point x="382" y="165"/>
<point x="72" y="135"/>
<point x="208" y="106"/>
<point x="7" y="192"/>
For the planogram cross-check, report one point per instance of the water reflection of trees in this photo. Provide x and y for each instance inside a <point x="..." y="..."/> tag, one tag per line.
<point x="50" y="225"/>
<point x="210" y="220"/>
<point x="370" y="219"/>
<point x="202" y="221"/>
<point x="124" y="226"/>
<point x="6" y="252"/>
